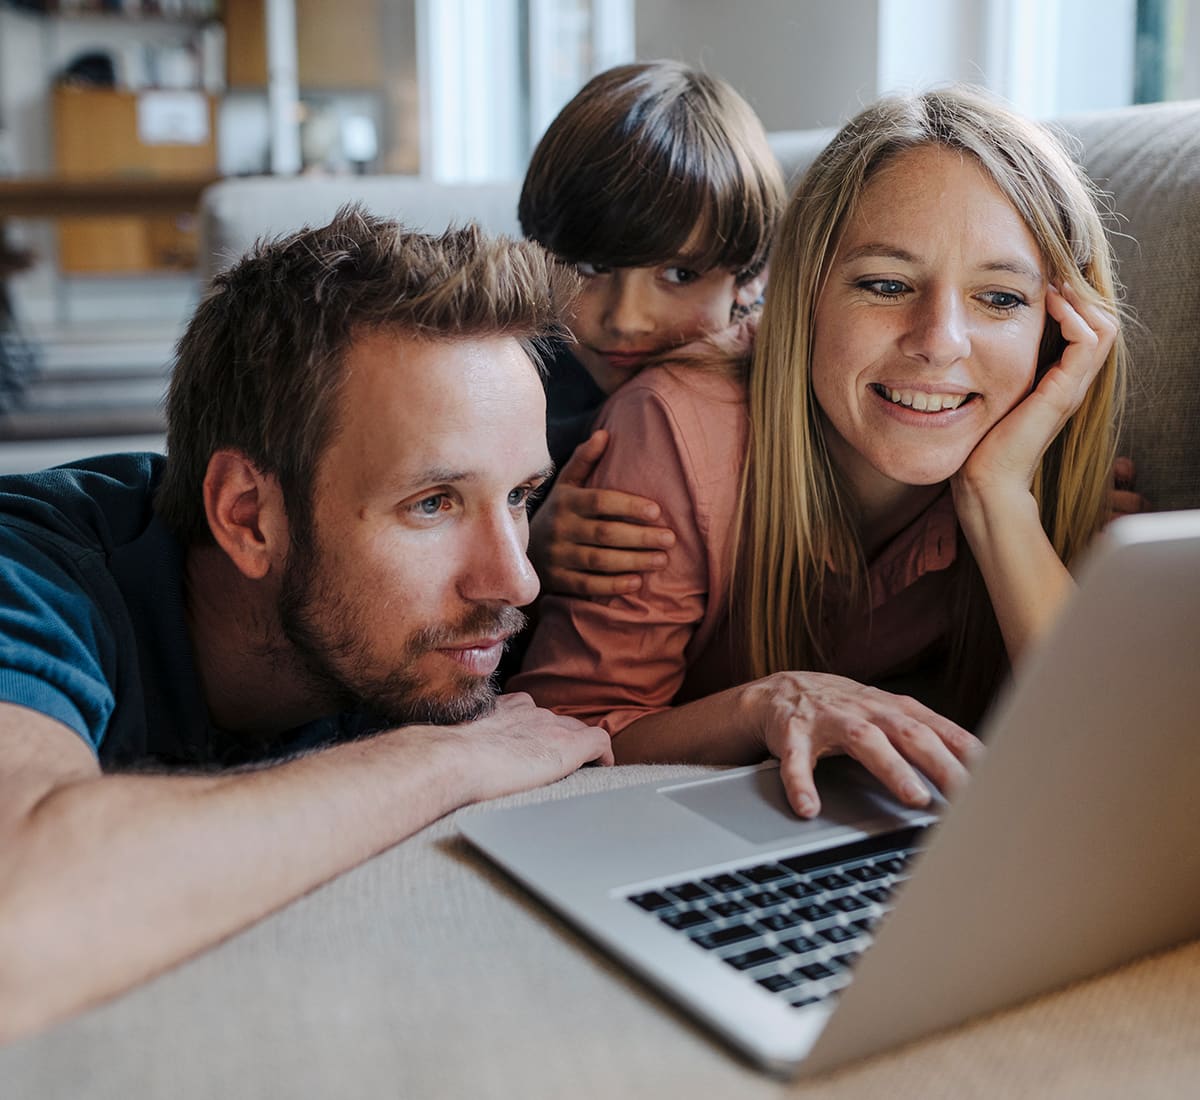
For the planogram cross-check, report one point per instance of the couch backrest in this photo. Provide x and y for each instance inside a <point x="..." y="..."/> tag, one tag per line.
<point x="1146" y="158"/>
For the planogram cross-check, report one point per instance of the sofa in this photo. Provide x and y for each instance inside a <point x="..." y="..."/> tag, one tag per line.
<point x="426" y="973"/>
<point x="1146" y="158"/>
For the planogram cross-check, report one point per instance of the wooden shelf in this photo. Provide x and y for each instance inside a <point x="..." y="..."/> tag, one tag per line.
<point x="99" y="151"/>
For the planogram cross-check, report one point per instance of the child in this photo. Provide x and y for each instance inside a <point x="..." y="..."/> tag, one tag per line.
<point x="656" y="181"/>
<point x="930" y="436"/>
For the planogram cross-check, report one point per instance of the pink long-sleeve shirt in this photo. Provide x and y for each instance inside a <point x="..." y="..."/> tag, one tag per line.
<point x="678" y="436"/>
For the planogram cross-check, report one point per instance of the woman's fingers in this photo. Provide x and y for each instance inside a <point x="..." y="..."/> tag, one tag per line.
<point x="899" y="740"/>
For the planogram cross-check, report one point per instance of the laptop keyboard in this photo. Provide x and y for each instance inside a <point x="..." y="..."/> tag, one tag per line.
<point x="795" y="925"/>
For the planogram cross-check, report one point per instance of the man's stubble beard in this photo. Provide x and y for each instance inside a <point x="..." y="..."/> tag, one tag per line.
<point x="326" y="632"/>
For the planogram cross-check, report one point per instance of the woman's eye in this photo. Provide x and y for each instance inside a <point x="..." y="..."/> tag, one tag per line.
<point x="1002" y="300"/>
<point x="884" y="288"/>
<point x="588" y="270"/>
<point x="680" y="276"/>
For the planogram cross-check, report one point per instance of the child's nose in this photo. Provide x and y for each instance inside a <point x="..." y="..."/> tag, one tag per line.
<point x="629" y="311"/>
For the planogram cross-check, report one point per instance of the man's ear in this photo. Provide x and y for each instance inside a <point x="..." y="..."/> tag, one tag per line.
<point x="751" y="290"/>
<point x="245" y="513"/>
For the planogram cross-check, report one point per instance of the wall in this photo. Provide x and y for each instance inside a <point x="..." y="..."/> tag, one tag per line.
<point x="777" y="53"/>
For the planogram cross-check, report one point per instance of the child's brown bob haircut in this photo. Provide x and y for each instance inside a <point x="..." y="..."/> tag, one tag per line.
<point x="654" y="162"/>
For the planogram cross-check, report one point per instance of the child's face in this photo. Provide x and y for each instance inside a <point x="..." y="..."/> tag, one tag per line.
<point x="626" y="315"/>
<point x="928" y="329"/>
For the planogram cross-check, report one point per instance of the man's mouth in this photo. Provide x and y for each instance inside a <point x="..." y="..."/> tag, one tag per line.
<point x="921" y="401"/>
<point x="479" y="655"/>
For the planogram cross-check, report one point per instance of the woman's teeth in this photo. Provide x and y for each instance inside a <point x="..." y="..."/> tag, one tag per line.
<point x="923" y="402"/>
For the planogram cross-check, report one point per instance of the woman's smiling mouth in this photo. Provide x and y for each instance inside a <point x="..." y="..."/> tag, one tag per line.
<point x="920" y="400"/>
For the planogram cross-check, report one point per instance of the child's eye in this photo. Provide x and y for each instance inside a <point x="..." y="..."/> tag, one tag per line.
<point x="680" y="276"/>
<point x="1003" y="300"/>
<point x="883" y="288"/>
<point x="588" y="270"/>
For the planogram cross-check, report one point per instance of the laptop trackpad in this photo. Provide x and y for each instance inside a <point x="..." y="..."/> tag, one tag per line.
<point x="754" y="807"/>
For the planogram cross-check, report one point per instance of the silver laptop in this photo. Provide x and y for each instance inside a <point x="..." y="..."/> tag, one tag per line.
<point x="1075" y="847"/>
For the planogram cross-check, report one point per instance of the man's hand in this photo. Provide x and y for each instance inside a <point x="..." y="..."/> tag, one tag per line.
<point x="807" y="715"/>
<point x="521" y="745"/>
<point x="595" y="542"/>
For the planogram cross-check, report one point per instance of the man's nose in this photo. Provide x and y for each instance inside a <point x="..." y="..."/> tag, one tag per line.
<point x="938" y="328"/>
<point x="499" y="570"/>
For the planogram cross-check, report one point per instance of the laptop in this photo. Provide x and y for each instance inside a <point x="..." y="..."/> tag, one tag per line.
<point x="808" y="944"/>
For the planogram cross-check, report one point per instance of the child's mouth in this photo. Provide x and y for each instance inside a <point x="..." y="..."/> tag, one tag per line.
<point x="920" y="401"/>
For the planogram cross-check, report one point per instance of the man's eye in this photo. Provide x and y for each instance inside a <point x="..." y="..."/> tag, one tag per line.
<point x="588" y="270"/>
<point x="431" y="506"/>
<point x="523" y="496"/>
<point x="681" y="276"/>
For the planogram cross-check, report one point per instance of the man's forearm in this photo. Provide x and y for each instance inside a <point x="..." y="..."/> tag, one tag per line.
<point x="168" y="865"/>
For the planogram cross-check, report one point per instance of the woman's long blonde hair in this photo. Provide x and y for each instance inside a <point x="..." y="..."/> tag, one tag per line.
<point x="797" y="520"/>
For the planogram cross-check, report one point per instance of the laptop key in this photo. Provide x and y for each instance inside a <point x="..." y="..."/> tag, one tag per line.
<point x="802" y="945"/>
<point x="725" y="883"/>
<point x="685" y="918"/>
<point x="726" y="908"/>
<point x="651" y="900"/>
<point x="777" y="983"/>
<point x="804" y="1001"/>
<point x="724" y="937"/>
<point x="766" y="872"/>
<point x="832" y="880"/>
<point x="779" y="922"/>
<point x="817" y="971"/>
<point x="838" y="933"/>
<point x="799" y="891"/>
<point x="688" y="891"/>
<point x="747" y="960"/>
<point x="764" y="899"/>
<point x="850" y="903"/>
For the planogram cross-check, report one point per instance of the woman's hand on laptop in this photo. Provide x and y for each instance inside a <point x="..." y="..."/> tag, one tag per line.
<point x="808" y="715"/>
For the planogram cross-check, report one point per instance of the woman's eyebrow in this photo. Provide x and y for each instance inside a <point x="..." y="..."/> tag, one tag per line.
<point x="879" y="250"/>
<point x="1016" y="267"/>
<point x="886" y="251"/>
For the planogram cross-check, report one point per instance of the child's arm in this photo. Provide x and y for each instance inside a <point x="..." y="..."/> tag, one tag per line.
<point x="595" y="542"/>
<point x="1025" y="578"/>
<point x="1123" y="498"/>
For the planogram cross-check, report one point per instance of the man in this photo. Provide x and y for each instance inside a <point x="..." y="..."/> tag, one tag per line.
<point x="301" y="606"/>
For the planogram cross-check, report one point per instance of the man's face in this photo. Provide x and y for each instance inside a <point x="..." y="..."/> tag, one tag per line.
<point x="401" y="597"/>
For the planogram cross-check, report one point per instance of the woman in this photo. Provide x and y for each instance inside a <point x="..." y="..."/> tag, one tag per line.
<point x="932" y="410"/>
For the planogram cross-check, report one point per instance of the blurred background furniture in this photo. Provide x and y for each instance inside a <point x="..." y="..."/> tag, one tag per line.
<point x="1146" y="159"/>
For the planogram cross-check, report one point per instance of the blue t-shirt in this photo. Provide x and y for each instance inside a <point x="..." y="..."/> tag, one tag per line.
<point x="93" y="628"/>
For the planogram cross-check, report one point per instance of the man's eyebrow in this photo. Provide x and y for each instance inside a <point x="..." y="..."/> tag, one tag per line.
<point x="448" y="475"/>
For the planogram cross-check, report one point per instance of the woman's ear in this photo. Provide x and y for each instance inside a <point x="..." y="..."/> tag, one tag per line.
<point x="245" y="513"/>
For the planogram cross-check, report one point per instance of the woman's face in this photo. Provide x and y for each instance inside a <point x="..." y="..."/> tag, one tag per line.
<point x="928" y="328"/>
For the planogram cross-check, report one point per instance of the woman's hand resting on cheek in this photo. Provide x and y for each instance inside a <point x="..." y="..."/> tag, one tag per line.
<point x="1006" y="459"/>
<point x="804" y="716"/>
<point x="1026" y="581"/>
